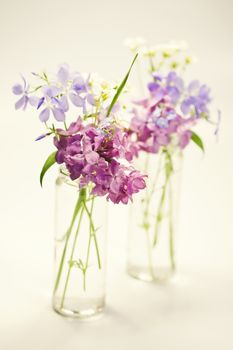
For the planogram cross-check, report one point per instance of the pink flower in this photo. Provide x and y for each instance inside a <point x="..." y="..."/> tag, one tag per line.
<point x="90" y="154"/>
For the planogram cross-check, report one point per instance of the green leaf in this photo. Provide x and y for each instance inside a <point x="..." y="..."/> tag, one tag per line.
<point x="198" y="141"/>
<point x="121" y="87"/>
<point x="48" y="163"/>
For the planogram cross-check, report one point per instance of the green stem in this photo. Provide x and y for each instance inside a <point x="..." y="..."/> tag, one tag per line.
<point x="159" y="216"/>
<point x="171" y="230"/>
<point x="88" y="248"/>
<point x="93" y="235"/>
<point x="146" y="224"/>
<point x="152" y="67"/>
<point x="71" y="256"/>
<point x="81" y="198"/>
<point x="149" y="194"/>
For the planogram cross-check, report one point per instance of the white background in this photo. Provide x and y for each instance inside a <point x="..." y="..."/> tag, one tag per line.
<point x="196" y="310"/>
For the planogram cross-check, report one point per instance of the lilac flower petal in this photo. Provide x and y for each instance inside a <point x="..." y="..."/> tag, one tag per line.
<point x="84" y="106"/>
<point x="44" y="115"/>
<point x="63" y="75"/>
<point x="174" y="93"/>
<point x="157" y="95"/>
<point x="171" y="77"/>
<point x="115" y="186"/>
<point x="173" y="80"/>
<point x="60" y="156"/>
<point x="125" y="200"/>
<point x="64" y="103"/>
<point x="26" y="102"/>
<point x="73" y="128"/>
<point x="17" y="89"/>
<point x="171" y="115"/>
<point x="40" y="102"/>
<point x="56" y="102"/>
<point x="79" y="84"/>
<point x="87" y="145"/>
<point x="139" y="183"/>
<point x="59" y="114"/>
<point x="204" y="93"/>
<point x="92" y="157"/>
<point x="79" y="80"/>
<point x="33" y="100"/>
<point x="76" y="100"/>
<point x="42" y="136"/>
<point x="185" y="106"/>
<point x="193" y="86"/>
<point x="91" y="99"/>
<point x="163" y="140"/>
<point x="114" y="166"/>
<point x="51" y="91"/>
<point x="25" y="87"/>
<point x="153" y="86"/>
<point x="162" y="123"/>
<point x="21" y="103"/>
<point x="179" y="83"/>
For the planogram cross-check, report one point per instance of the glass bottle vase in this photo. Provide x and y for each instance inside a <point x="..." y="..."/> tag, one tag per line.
<point x="80" y="234"/>
<point x="153" y="218"/>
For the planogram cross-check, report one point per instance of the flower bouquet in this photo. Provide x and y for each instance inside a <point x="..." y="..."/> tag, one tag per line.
<point x="92" y="153"/>
<point x="161" y="127"/>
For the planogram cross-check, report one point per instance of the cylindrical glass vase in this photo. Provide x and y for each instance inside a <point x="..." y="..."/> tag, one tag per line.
<point x="80" y="237"/>
<point x="153" y="218"/>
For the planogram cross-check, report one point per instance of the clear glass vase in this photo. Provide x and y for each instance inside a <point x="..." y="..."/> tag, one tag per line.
<point x="80" y="237"/>
<point x="153" y="218"/>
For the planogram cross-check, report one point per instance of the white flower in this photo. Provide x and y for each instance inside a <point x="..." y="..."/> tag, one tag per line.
<point x="134" y="44"/>
<point x="149" y="51"/>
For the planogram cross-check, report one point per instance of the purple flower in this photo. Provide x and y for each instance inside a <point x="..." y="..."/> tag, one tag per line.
<point x="52" y="104"/>
<point x="23" y="91"/>
<point x="76" y="87"/>
<point x="80" y="93"/>
<point x="155" y="124"/>
<point x="170" y="86"/>
<point x="63" y="78"/>
<point x="156" y="90"/>
<point x="197" y="101"/>
<point x="175" y="86"/>
<point x="157" y="121"/>
<point x="124" y="185"/>
<point x="90" y="156"/>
